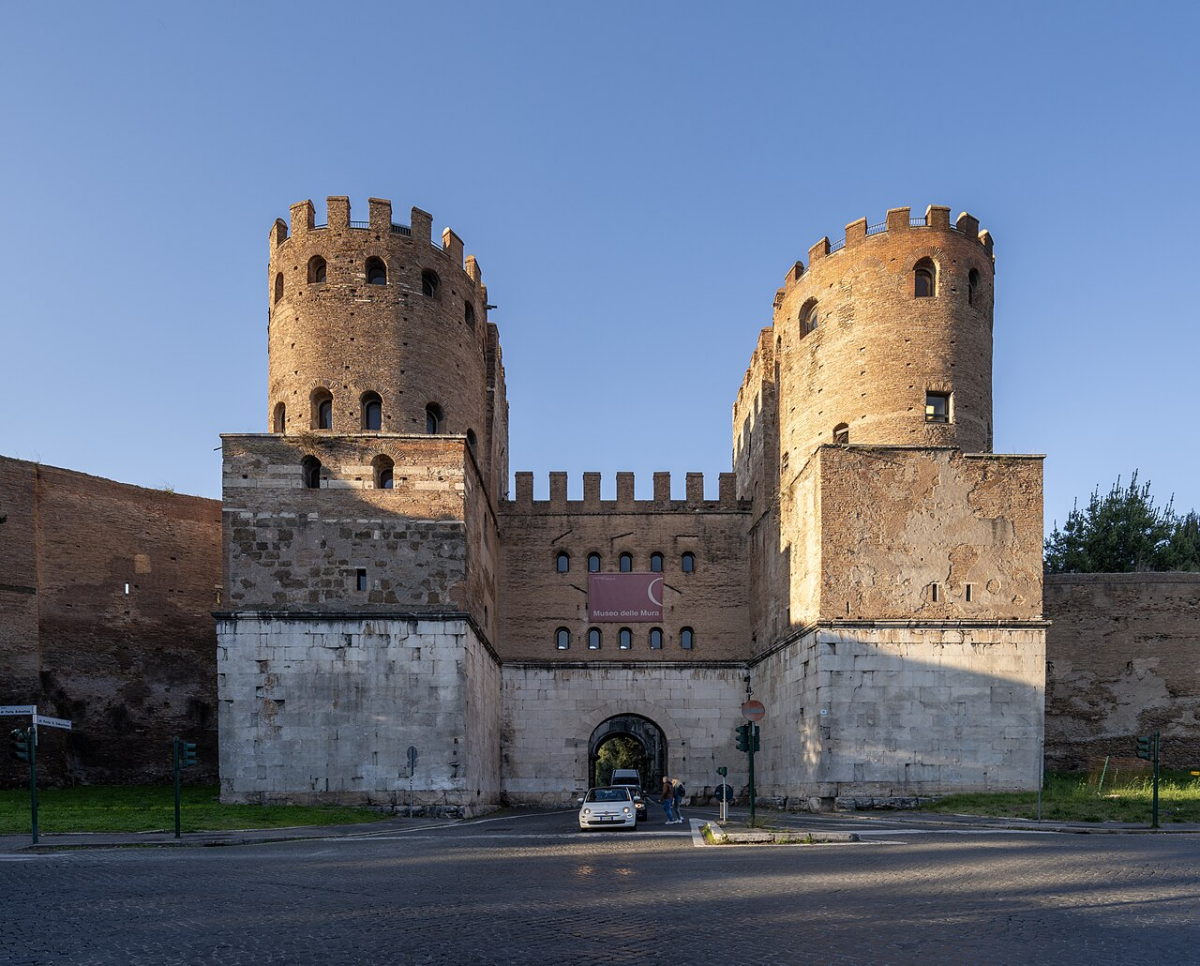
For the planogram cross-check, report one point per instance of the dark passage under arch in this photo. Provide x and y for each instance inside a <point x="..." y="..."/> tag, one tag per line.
<point x="642" y="730"/>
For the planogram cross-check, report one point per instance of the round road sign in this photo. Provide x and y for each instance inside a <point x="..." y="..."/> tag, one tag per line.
<point x="753" y="711"/>
<point x="724" y="793"/>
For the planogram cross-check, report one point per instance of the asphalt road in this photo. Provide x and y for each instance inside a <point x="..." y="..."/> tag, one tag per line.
<point x="533" y="889"/>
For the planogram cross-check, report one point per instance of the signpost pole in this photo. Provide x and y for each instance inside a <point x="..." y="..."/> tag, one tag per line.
<point x="33" y="782"/>
<point x="753" y="742"/>
<point x="412" y="771"/>
<point x="1154" y="813"/>
<point x="175" y="766"/>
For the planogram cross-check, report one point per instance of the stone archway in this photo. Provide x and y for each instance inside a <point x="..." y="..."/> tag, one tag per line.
<point x="642" y="730"/>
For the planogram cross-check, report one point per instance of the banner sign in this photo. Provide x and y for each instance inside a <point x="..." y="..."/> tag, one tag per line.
<point x="625" y="597"/>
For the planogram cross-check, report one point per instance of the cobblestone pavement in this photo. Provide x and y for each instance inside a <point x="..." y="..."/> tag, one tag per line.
<point x="532" y="889"/>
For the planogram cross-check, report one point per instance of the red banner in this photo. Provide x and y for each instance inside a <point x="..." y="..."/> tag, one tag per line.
<point x="625" y="597"/>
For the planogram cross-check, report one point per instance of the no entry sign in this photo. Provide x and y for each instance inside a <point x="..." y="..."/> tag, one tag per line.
<point x="753" y="711"/>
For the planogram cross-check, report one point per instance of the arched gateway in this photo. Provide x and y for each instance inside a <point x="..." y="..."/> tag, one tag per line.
<point x="642" y="730"/>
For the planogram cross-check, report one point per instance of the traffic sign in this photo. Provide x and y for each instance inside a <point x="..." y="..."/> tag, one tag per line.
<point x="6" y="709"/>
<point x="753" y="711"/>
<point x="45" y="719"/>
<point x="724" y="793"/>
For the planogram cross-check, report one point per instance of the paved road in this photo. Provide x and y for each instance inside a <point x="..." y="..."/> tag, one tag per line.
<point x="532" y="889"/>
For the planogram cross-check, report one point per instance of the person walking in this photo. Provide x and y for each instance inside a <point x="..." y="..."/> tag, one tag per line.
<point x="678" y="790"/>
<point x="667" y="797"/>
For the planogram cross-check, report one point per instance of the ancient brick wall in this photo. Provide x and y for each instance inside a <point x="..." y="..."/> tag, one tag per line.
<point x="105" y="619"/>
<point x="536" y="600"/>
<point x="1123" y="659"/>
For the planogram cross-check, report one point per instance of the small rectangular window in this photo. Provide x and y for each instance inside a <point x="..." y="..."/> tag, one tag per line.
<point x="360" y="579"/>
<point x="933" y="593"/>
<point x="937" y="407"/>
<point x="968" y="593"/>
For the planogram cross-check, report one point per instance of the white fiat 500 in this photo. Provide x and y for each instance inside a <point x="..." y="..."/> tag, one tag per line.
<point x="610" y="807"/>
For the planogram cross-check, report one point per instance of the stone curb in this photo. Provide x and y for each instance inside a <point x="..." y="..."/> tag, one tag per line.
<point x="790" y="837"/>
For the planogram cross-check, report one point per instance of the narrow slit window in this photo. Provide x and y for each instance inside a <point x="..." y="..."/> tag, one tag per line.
<point x="934" y="593"/>
<point x="434" y="419"/>
<point x="469" y="314"/>
<point x="280" y="421"/>
<point x="967" y="593"/>
<point x="360" y="579"/>
<point x="972" y="286"/>
<point x="279" y="286"/>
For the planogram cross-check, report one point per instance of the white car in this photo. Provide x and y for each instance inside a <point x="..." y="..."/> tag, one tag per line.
<point x="609" y="807"/>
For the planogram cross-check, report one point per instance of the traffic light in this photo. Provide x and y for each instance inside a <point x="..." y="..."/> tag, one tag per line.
<point x="723" y="771"/>
<point x="1145" y="747"/>
<point x="754" y="734"/>
<point x="19" y="744"/>
<point x="187" y="753"/>
<point x="743" y="737"/>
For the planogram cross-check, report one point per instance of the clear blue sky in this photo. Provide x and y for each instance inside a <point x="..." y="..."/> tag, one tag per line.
<point x="635" y="179"/>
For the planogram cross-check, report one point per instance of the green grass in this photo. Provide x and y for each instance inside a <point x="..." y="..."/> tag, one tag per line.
<point x="1072" y="797"/>
<point x="148" y="808"/>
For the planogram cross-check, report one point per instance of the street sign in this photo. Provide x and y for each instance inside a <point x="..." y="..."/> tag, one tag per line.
<point x="47" y="721"/>
<point x="7" y="709"/>
<point x="412" y="760"/>
<point x="753" y="711"/>
<point x="724" y="793"/>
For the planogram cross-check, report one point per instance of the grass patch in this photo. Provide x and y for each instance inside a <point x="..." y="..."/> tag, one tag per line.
<point x="150" y="808"/>
<point x="1074" y="797"/>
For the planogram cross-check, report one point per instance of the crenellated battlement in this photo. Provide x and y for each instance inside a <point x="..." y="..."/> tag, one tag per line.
<point x="936" y="217"/>
<point x="378" y="226"/>
<point x="662" y="500"/>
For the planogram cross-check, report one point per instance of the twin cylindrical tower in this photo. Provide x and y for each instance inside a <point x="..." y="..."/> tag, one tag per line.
<point x="375" y="328"/>
<point x="886" y="338"/>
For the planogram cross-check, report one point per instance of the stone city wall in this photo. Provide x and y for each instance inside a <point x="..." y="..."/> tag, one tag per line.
<point x="1123" y="659"/>
<point x="105" y="599"/>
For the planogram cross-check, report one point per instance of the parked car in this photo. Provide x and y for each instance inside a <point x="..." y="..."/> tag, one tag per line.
<point x="608" y="807"/>
<point x="631" y="778"/>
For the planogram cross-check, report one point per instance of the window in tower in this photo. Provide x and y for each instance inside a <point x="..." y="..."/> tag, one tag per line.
<point x="937" y="407"/>
<point x="279" y="422"/>
<point x="593" y="563"/>
<point x="625" y="639"/>
<point x="310" y="472"/>
<point x="471" y="439"/>
<point x="469" y="314"/>
<point x="322" y="409"/>
<point x="808" y="319"/>
<point x="279" y="286"/>
<point x="688" y="563"/>
<point x="430" y="283"/>
<point x="686" y="638"/>
<point x="385" y="472"/>
<point x="434" y="418"/>
<point x="656" y="563"/>
<point x="376" y="271"/>
<point x="372" y="412"/>
<point x="626" y="563"/>
<point x="925" y="279"/>
<point x="656" y="639"/>
<point x="562" y="562"/>
<point x="562" y="639"/>
<point x="841" y="434"/>
<point x="360" y="579"/>
<point x="594" y="639"/>
<point x="316" y="269"/>
<point x="972" y="286"/>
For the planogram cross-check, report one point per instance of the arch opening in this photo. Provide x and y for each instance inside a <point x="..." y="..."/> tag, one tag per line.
<point x="636" y="742"/>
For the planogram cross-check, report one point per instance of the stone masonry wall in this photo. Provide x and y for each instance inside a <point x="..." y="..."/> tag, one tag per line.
<point x="1123" y="659"/>
<point x="536" y="600"/>
<point x="324" y="710"/>
<point x="105" y="598"/>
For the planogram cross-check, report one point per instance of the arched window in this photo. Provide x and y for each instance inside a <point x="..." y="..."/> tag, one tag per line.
<point x="279" y="286"/>
<point x="376" y="271"/>
<point x="434" y="418"/>
<point x="626" y="563"/>
<point x="656" y="563"/>
<point x="385" y="469"/>
<point x="925" y="279"/>
<point x="322" y="409"/>
<point x="471" y="439"/>
<point x="469" y="314"/>
<point x="972" y="286"/>
<point x="310" y="471"/>
<point x="841" y="435"/>
<point x="593" y="563"/>
<point x="808" y="319"/>
<point x="562" y="638"/>
<point x="372" y="412"/>
<point x="279" y="423"/>
<point x="562" y="563"/>
<point x="688" y="563"/>
<point x="430" y="283"/>
<point x="316" y="269"/>
<point x="686" y="637"/>
<point x="625" y="639"/>
<point x="594" y="639"/>
<point x="656" y="639"/>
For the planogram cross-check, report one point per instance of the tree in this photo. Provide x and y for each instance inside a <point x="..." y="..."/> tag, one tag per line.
<point x="1124" y="532"/>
